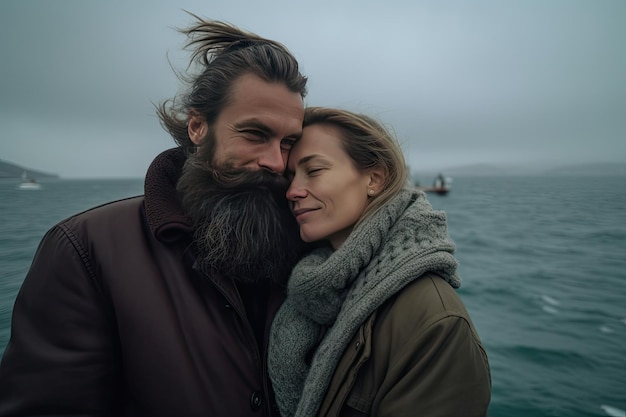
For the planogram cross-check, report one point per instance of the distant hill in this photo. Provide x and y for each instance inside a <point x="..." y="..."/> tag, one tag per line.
<point x="10" y="170"/>
<point x="488" y="170"/>
<point x="589" y="169"/>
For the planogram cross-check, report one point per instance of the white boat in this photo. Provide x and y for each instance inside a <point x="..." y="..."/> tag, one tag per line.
<point x="28" y="183"/>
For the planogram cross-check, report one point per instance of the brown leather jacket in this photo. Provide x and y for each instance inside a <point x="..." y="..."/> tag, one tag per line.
<point x="418" y="355"/>
<point x="113" y="319"/>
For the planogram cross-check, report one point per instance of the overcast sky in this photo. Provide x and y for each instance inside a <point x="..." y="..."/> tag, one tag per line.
<point x="461" y="82"/>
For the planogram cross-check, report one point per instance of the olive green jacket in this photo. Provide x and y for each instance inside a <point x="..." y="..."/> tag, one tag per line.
<point x="418" y="355"/>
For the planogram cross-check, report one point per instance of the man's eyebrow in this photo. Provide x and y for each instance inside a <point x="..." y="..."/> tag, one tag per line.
<point x="253" y="123"/>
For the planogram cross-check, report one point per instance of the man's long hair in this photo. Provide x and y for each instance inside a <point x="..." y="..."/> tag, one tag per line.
<point x="221" y="54"/>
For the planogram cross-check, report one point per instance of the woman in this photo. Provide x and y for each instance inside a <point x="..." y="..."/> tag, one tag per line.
<point x="371" y="324"/>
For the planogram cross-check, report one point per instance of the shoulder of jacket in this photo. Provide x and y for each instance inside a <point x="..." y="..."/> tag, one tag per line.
<point x="110" y="209"/>
<point x="106" y="219"/>
<point x="425" y="301"/>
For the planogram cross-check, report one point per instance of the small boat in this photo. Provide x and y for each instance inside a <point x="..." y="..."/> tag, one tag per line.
<point x="441" y="186"/>
<point x="28" y="183"/>
<point x="437" y="190"/>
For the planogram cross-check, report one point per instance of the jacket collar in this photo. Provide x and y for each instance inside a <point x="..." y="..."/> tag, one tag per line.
<point x="164" y="214"/>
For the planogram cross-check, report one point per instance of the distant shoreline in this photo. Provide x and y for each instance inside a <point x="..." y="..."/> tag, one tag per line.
<point x="490" y="170"/>
<point x="10" y="170"/>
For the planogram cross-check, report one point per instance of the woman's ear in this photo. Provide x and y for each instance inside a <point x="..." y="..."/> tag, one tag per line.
<point x="197" y="128"/>
<point x="376" y="179"/>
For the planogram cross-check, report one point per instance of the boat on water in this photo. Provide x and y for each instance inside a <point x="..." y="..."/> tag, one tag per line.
<point x="440" y="186"/>
<point x="435" y="190"/>
<point x="28" y="183"/>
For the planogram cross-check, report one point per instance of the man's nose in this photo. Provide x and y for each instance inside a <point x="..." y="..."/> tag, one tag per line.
<point x="273" y="159"/>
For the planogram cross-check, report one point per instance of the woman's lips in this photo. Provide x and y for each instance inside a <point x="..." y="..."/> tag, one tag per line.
<point x="299" y="213"/>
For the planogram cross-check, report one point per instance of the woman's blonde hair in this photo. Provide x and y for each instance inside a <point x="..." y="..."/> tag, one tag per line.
<point x="369" y="145"/>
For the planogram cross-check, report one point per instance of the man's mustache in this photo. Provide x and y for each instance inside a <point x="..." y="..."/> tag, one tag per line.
<point x="224" y="177"/>
<point x="227" y="178"/>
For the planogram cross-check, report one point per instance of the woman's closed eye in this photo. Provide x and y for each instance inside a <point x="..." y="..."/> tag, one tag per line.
<point x="314" y="171"/>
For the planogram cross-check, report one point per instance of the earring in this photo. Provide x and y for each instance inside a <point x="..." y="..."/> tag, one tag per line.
<point x="371" y="192"/>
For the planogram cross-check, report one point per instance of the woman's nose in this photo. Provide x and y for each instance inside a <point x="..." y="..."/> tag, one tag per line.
<point x="295" y="190"/>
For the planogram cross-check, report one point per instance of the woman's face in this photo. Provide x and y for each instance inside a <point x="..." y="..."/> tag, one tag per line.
<point x="328" y="194"/>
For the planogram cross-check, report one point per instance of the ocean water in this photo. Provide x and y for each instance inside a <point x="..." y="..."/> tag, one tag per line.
<point x="543" y="263"/>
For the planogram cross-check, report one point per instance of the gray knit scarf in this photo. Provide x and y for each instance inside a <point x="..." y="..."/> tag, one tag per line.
<point x="330" y="294"/>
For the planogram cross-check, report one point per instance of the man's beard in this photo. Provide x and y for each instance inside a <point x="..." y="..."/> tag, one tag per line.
<point x="244" y="228"/>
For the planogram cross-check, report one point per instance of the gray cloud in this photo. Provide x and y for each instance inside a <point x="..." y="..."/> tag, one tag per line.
<point x="459" y="82"/>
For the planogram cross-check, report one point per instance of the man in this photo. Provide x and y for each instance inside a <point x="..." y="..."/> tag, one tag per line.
<point x="160" y="305"/>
